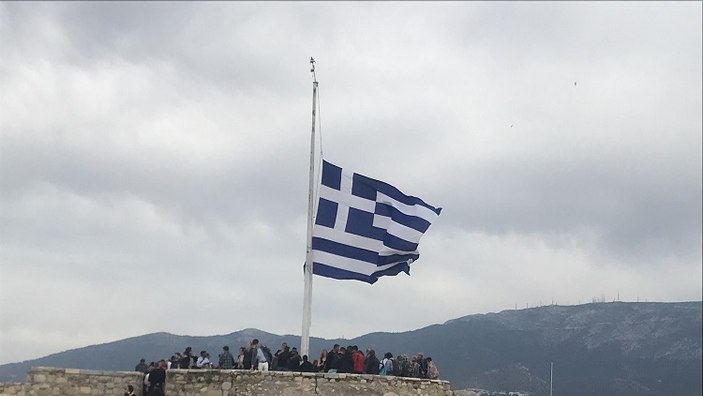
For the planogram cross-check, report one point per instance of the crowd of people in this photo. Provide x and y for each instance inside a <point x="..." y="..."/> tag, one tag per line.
<point x="257" y="356"/>
<point x="351" y="360"/>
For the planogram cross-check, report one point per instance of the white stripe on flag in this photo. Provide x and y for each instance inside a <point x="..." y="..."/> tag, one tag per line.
<point x="397" y="229"/>
<point x="357" y="241"/>
<point x="348" y="264"/>
<point x="410" y="210"/>
<point x="347" y="199"/>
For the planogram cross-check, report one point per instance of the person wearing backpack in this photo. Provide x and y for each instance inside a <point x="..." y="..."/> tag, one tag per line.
<point x="386" y="365"/>
<point x="187" y="358"/>
<point x="399" y="365"/>
<point x="267" y="353"/>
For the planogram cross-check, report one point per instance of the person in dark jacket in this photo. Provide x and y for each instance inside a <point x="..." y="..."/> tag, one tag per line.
<point x="142" y="367"/>
<point x="226" y="360"/>
<point x="331" y="358"/>
<point x="174" y="361"/>
<point x="305" y="366"/>
<point x="246" y="361"/>
<point x="294" y="360"/>
<point x="346" y="362"/>
<point x="157" y="379"/>
<point x="371" y="366"/>
<point x="423" y="365"/>
<point x="187" y="358"/>
<point x="281" y="358"/>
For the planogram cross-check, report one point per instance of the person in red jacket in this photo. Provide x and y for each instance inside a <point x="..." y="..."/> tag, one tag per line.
<point x="358" y="359"/>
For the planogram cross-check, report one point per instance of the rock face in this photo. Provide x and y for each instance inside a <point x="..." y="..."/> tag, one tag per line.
<point x="602" y="348"/>
<point x="640" y="330"/>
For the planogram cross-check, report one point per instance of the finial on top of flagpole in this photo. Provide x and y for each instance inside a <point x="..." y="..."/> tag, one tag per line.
<point x="312" y="69"/>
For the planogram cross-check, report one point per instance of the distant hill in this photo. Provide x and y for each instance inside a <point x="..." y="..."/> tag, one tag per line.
<point x="597" y="349"/>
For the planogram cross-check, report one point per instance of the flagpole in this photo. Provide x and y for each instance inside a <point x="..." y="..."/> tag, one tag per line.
<point x="307" y="300"/>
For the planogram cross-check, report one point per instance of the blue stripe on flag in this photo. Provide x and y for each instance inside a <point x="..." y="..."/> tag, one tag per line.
<point x="414" y="222"/>
<point x="340" y="249"/>
<point x="397" y="258"/>
<point x="368" y="188"/>
<point x="400" y="244"/>
<point x="338" y="273"/>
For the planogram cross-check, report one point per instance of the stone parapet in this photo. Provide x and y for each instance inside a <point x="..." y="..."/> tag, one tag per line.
<point x="11" y="388"/>
<point x="49" y="381"/>
<point x="276" y="383"/>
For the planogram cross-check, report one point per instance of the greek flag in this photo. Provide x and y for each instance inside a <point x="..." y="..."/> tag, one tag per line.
<point x="365" y="228"/>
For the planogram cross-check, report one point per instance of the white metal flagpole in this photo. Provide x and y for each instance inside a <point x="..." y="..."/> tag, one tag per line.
<point x="307" y="300"/>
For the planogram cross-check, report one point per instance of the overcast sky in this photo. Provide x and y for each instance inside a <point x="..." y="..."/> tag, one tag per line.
<point x="154" y="160"/>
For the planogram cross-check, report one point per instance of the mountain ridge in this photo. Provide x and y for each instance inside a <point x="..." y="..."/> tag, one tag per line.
<point x="622" y="348"/>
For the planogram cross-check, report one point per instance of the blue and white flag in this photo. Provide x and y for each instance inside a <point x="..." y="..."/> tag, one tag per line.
<point x="365" y="228"/>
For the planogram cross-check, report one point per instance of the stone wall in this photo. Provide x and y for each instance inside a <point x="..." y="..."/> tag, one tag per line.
<point x="273" y="383"/>
<point x="48" y="381"/>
